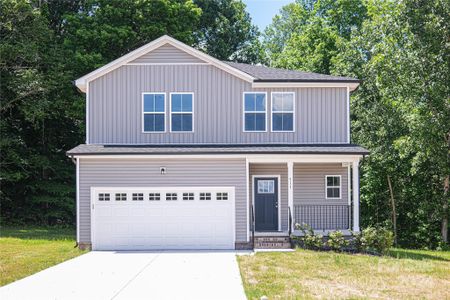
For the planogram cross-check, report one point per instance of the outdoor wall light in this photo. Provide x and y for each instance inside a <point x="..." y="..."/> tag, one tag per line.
<point x="162" y="170"/>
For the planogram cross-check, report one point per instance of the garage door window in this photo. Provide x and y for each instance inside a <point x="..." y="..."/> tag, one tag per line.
<point x="222" y="196"/>
<point x="188" y="196"/>
<point x="138" y="196"/>
<point x="154" y="196"/>
<point x="103" y="197"/>
<point x="171" y="196"/>
<point x="205" y="196"/>
<point x="121" y="197"/>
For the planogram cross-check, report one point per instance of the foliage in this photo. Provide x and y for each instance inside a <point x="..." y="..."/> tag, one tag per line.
<point x="400" y="112"/>
<point x="309" y="239"/>
<point x="336" y="241"/>
<point x="45" y="45"/>
<point x="227" y="33"/>
<point x="373" y="239"/>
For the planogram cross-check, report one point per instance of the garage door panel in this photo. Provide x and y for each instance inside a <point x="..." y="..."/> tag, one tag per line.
<point x="148" y="224"/>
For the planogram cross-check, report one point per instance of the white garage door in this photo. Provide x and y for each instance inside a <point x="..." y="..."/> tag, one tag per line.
<point x="162" y="218"/>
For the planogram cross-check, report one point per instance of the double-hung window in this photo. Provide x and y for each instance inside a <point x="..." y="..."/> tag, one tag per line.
<point x="333" y="186"/>
<point x="255" y="112"/>
<point x="182" y="108"/>
<point x="154" y="112"/>
<point x="283" y="106"/>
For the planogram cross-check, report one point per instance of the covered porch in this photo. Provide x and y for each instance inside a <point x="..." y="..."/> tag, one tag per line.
<point x="321" y="191"/>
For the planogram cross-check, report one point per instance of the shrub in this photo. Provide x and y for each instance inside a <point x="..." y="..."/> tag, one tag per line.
<point x="309" y="239"/>
<point x="336" y="241"/>
<point x="373" y="239"/>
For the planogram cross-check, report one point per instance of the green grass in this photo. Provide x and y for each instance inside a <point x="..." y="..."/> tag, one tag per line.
<point x="26" y="251"/>
<point x="404" y="274"/>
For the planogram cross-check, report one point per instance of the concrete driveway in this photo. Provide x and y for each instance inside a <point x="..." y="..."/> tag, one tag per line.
<point x="135" y="275"/>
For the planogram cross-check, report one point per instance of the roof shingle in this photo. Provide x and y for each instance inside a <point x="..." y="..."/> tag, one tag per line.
<point x="267" y="74"/>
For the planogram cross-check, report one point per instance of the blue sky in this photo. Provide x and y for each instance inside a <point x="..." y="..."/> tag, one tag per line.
<point x="262" y="11"/>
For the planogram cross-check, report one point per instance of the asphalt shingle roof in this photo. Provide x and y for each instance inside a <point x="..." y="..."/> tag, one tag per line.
<point x="267" y="74"/>
<point x="90" y="149"/>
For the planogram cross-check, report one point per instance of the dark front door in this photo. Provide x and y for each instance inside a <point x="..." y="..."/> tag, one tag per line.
<point x="266" y="204"/>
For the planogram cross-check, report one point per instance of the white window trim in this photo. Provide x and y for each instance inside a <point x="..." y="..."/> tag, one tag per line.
<point x="254" y="177"/>
<point x="160" y="113"/>
<point x="243" y="111"/>
<point x="170" y="111"/>
<point x="340" y="187"/>
<point x="292" y="112"/>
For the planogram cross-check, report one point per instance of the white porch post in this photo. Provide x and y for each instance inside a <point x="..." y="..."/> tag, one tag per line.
<point x="290" y="166"/>
<point x="356" y="196"/>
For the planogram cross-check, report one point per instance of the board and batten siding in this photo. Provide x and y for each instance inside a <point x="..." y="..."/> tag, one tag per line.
<point x="309" y="183"/>
<point x="167" y="54"/>
<point x="146" y="173"/>
<point x="115" y="108"/>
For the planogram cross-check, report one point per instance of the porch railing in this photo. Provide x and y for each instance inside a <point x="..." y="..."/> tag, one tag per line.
<point x="323" y="217"/>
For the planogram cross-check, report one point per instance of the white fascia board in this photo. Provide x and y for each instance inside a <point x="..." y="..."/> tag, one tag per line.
<point x="252" y="158"/>
<point x="351" y="85"/>
<point x="81" y="82"/>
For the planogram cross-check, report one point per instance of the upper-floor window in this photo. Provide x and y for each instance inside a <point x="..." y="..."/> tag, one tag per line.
<point x="182" y="108"/>
<point x="333" y="186"/>
<point x="255" y="112"/>
<point x="154" y="112"/>
<point x="283" y="107"/>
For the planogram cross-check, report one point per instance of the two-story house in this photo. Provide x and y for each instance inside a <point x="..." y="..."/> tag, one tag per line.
<point x="184" y="151"/>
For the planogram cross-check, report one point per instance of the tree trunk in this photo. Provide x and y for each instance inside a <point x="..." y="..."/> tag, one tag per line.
<point x="394" y="213"/>
<point x="444" y="227"/>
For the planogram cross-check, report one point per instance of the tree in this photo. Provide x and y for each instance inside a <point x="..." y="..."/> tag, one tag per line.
<point x="227" y="33"/>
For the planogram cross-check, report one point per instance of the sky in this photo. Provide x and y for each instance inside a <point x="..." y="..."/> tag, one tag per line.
<point x="262" y="11"/>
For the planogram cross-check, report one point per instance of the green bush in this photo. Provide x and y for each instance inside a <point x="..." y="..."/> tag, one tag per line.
<point x="336" y="241"/>
<point x="373" y="239"/>
<point x="309" y="240"/>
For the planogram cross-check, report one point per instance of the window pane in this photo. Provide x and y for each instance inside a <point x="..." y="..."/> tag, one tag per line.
<point x="260" y="121"/>
<point x="250" y="121"/>
<point x="176" y="122"/>
<point x="277" y="102"/>
<point x="176" y="102"/>
<point x="182" y="122"/>
<point x="337" y="181"/>
<point x="277" y="120"/>
<point x="159" y="122"/>
<point x="329" y="181"/>
<point x="288" y="102"/>
<point x="260" y="102"/>
<point x="186" y="103"/>
<point x="159" y="103"/>
<point x="288" y="121"/>
<point x="153" y="122"/>
<point x="250" y="102"/>
<point x="333" y="193"/>
<point x="149" y="103"/>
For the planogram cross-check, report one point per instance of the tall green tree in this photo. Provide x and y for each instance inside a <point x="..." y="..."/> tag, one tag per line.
<point x="227" y="33"/>
<point x="37" y="120"/>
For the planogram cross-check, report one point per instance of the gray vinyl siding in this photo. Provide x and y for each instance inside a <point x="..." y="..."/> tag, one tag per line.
<point x="273" y="169"/>
<point x="167" y="54"/>
<point x="309" y="183"/>
<point x="115" y="108"/>
<point x="146" y="173"/>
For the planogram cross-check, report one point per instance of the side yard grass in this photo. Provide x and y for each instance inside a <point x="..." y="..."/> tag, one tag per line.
<point x="26" y="251"/>
<point x="303" y="274"/>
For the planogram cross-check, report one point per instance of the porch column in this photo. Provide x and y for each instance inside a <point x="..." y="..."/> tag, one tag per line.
<point x="355" y="196"/>
<point x="290" y="166"/>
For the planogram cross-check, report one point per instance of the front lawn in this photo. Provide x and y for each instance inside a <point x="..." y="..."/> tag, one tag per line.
<point x="405" y="274"/>
<point x="26" y="251"/>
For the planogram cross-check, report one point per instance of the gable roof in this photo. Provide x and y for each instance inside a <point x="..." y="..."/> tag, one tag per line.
<point x="81" y="82"/>
<point x="267" y="74"/>
<point x="259" y="76"/>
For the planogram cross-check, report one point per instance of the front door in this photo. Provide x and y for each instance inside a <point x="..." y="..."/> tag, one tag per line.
<point x="266" y="204"/>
